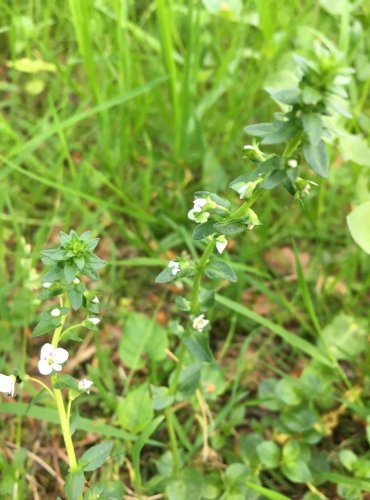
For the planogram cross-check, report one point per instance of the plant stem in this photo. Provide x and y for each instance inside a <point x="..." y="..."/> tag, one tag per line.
<point x="194" y="305"/>
<point x="37" y="381"/>
<point x="63" y="415"/>
<point x="64" y="423"/>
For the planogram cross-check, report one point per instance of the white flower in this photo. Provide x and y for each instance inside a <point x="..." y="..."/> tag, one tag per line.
<point x="221" y="244"/>
<point x="7" y="384"/>
<point x="94" y="321"/>
<point x="55" y="312"/>
<point x="248" y="146"/>
<point x="292" y="163"/>
<point x="199" y="204"/>
<point x="200" y="323"/>
<point x="246" y="189"/>
<point x="85" y="384"/>
<point x="174" y="266"/>
<point x="253" y="220"/>
<point x="76" y="281"/>
<point x="241" y="190"/>
<point x="51" y="358"/>
<point x="95" y="300"/>
<point x="47" y="284"/>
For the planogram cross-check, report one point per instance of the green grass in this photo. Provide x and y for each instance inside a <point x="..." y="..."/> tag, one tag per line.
<point x="147" y="104"/>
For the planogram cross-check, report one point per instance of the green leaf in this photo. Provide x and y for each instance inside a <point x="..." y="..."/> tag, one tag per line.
<point x="140" y="442"/>
<point x="214" y="197"/>
<point x="259" y="129"/>
<point x="285" y="391"/>
<point x="165" y="276"/>
<point x="198" y="345"/>
<point x="315" y="155"/>
<point x="161" y="398"/>
<point x="95" y="456"/>
<point x="142" y="336"/>
<point x="312" y="125"/>
<point x="54" y="274"/>
<point x="183" y="304"/>
<point x="280" y="132"/>
<point x="70" y="271"/>
<point x="269" y="454"/>
<point x="189" y="379"/>
<point x="46" y="324"/>
<point x="66" y="382"/>
<point x="359" y="225"/>
<point x="64" y="238"/>
<point x="345" y="336"/>
<point x="80" y="262"/>
<point x="277" y="177"/>
<point x="220" y="270"/>
<point x="186" y="484"/>
<point x="206" y="299"/>
<point x="75" y="297"/>
<point x="135" y="411"/>
<point x="201" y="231"/>
<point x="310" y="95"/>
<point x="286" y="96"/>
<point x="299" y="420"/>
<point x="348" y="459"/>
<point x="74" y="484"/>
<point x="229" y="228"/>
<point x="297" y="472"/>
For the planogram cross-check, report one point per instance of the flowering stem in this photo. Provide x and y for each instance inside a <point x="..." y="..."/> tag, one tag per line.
<point x="64" y="423"/>
<point x="63" y="415"/>
<point x="194" y="305"/>
<point x="239" y="212"/>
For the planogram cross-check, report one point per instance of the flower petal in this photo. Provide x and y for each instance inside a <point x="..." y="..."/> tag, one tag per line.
<point x="47" y="351"/>
<point x="44" y="367"/>
<point x="7" y="384"/>
<point x="56" y="367"/>
<point x="60" y="355"/>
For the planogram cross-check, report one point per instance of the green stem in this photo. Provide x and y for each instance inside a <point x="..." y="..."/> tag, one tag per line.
<point x="37" y="381"/>
<point x="64" y="423"/>
<point x="63" y="415"/>
<point x="239" y="212"/>
<point x="194" y="305"/>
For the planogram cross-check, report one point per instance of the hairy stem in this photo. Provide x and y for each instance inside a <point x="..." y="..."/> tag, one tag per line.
<point x="194" y="306"/>
<point x="63" y="415"/>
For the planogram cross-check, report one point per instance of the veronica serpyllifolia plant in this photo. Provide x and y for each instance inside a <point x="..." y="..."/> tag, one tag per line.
<point x="297" y="134"/>
<point x="69" y="265"/>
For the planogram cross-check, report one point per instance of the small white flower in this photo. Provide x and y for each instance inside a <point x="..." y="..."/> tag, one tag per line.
<point x="248" y="146"/>
<point x="253" y="219"/>
<point x="199" y="204"/>
<point x="95" y="300"/>
<point x="292" y="163"/>
<point x="221" y="244"/>
<point x="7" y="384"/>
<point x="47" y="284"/>
<point x="241" y="190"/>
<point x="200" y="323"/>
<point x="51" y="358"/>
<point x="174" y="266"/>
<point x="94" y="321"/>
<point x="76" y="281"/>
<point x="85" y="384"/>
<point x="55" y="312"/>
